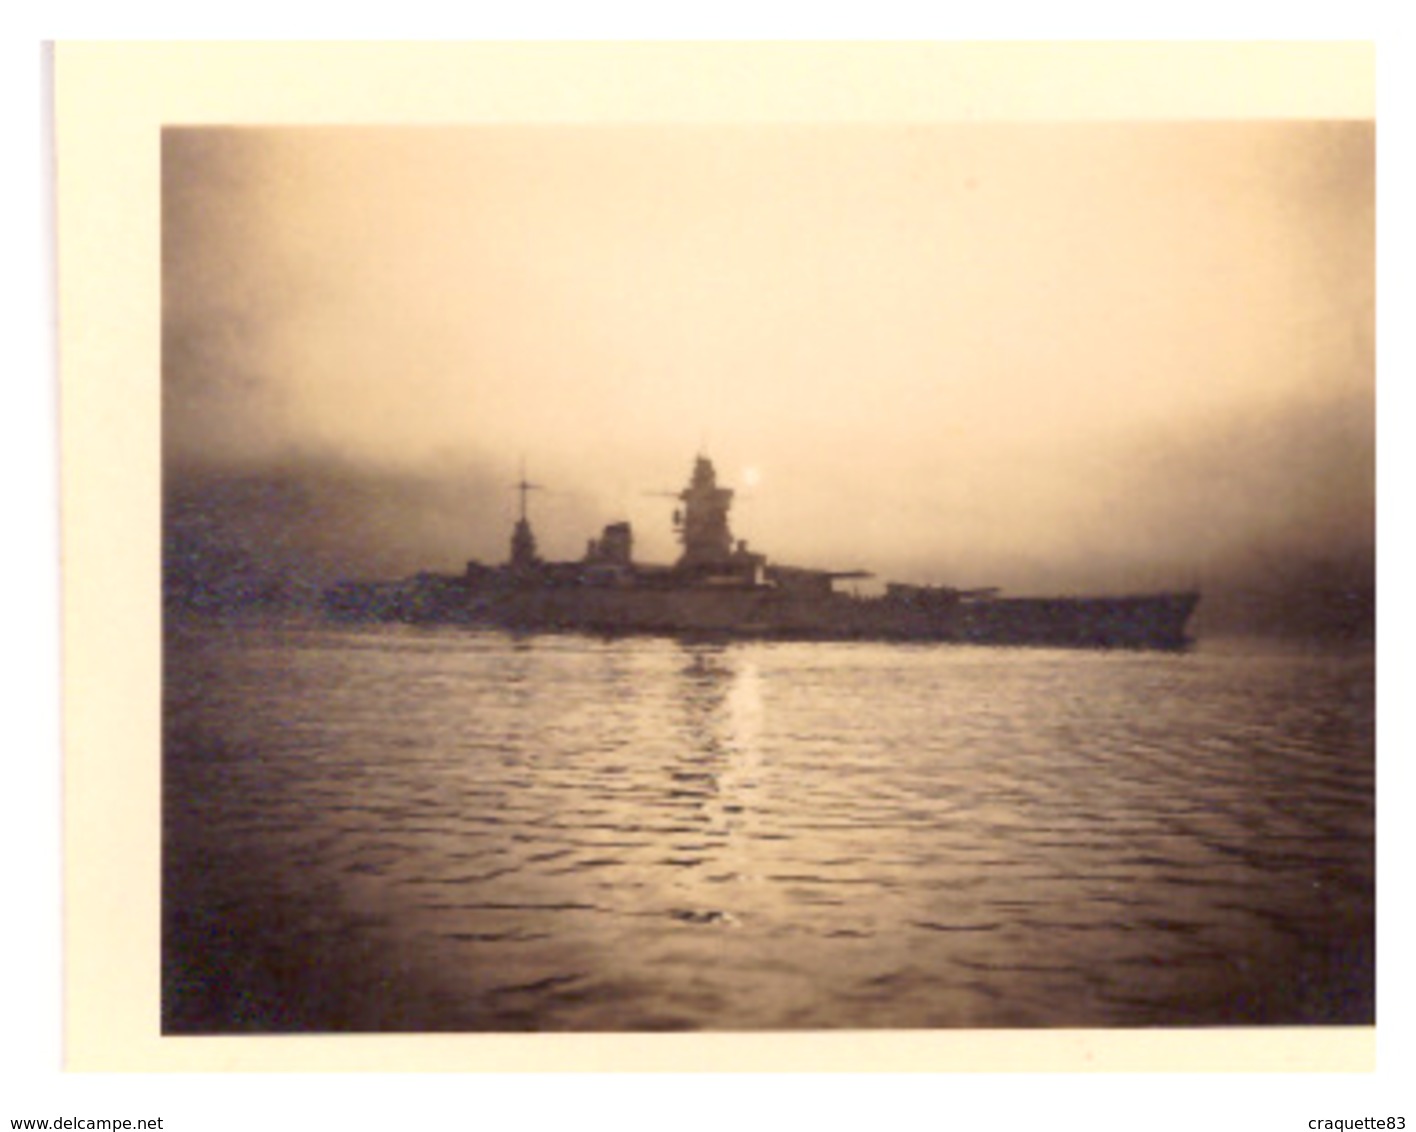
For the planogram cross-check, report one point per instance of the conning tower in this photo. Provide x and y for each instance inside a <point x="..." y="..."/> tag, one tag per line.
<point x="702" y="523"/>
<point x="709" y="553"/>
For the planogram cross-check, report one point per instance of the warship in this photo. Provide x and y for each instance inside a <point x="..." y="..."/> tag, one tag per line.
<point x="720" y="587"/>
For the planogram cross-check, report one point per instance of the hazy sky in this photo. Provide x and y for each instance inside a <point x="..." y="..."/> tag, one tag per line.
<point x="1044" y="356"/>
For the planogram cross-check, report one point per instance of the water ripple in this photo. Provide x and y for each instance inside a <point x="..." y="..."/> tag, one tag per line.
<point x="563" y="833"/>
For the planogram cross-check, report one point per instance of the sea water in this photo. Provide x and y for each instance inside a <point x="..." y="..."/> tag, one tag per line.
<point x="395" y="828"/>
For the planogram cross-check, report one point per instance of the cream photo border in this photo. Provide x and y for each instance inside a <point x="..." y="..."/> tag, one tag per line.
<point x="111" y="102"/>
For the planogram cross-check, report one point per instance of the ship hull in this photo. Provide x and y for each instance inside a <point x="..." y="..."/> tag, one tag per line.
<point x="1152" y="621"/>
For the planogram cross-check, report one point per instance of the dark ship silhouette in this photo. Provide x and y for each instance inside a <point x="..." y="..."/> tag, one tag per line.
<point x="719" y="587"/>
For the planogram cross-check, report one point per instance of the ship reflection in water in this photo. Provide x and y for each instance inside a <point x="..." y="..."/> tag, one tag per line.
<point x="381" y="827"/>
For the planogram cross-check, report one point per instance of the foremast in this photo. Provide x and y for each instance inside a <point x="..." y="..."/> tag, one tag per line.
<point x="523" y="542"/>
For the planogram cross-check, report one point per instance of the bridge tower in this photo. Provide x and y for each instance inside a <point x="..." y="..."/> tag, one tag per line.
<point x="703" y="521"/>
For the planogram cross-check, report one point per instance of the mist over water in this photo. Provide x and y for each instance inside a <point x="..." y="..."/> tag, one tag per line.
<point x="399" y="829"/>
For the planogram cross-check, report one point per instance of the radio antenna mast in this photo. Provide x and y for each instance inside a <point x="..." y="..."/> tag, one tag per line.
<point x="522" y="486"/>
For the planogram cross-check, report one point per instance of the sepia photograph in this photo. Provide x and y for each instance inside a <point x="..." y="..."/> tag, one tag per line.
<point x="702" y="558"/>
<point x="768" y="576"/>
